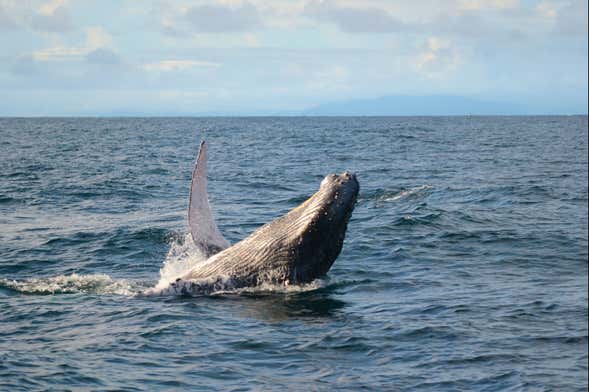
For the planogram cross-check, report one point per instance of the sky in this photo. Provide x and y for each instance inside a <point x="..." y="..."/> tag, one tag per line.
<point x="125" y="57"/>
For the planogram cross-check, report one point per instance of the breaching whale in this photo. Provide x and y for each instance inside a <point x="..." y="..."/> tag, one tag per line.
<point x="293" y="249"/>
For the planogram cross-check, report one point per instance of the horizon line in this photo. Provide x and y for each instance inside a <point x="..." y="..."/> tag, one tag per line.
<point x="287" y="115"/>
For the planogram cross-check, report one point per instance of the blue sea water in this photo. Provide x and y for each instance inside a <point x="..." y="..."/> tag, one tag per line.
<point x="464" y="266"/>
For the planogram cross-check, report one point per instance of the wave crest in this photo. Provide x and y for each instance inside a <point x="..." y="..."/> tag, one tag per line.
<point x="406" y="193"/>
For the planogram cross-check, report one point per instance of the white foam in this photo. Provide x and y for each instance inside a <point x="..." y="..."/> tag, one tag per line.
<point x="74" y="283"/>
<point x="407" y="192"/>
<point x="276" y="288"/>
<point x="225" y="285"/>
<point x="181" y="258"/>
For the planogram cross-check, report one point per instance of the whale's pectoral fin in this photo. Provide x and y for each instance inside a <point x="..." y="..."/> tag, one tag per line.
<point x="203" y="229"/>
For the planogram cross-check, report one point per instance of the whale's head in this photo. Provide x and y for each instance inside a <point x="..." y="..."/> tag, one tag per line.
<point x="322" y="221"/>
<point x="338" y="193"/>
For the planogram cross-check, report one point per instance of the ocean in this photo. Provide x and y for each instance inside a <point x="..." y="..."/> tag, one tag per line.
<point x="464" y="266"/>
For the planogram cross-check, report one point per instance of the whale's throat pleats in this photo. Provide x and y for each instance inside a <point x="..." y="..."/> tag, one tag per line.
<point x="203" y="228"/>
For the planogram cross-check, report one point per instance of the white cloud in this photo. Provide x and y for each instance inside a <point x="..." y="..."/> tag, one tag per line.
<point x="463" y="19"/>
<point x="50" y="7"/>
<point x="438" y="58"/>
<point x="7" y="21"/>
<point x="96" y="38"/>
<point x="52" y="16"/>
<point x="59" y="53"/>
<point x="487" y="4"/>
<point x="567" y="17"/>
<point x="178" y="65"/>
<point x="572" y="18"/>
<point x="547" y="9"/>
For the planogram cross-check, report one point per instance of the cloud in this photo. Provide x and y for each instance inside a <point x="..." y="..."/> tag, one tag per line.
<point x="53" y="17"/>
<point x="487" y="4"/>
<point x="354" y="19"/>
<point x="6" y="21"/>
<point x="572" y="18"/>
<point x="103" y="56"/>
<point x="547" y="9"/>
<point x="50" y="7"/>
<point x="96" y="38"/>
<point x="178" y="65"/>
<point x="437" y="58"/>
<point x="291" y="53"/>
<point x="494" y="25"/>
<point x="567" y="18"/>
<point x="59" y="53"/>
<point x="220" y="18"/>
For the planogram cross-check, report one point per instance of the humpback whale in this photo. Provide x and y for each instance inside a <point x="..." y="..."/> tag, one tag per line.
<point x="293" y="249"/>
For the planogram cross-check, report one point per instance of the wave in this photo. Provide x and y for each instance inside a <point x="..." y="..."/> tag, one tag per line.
<point x="387" y="195"/>
<point x="5" y="199"/>
<point x="405" y="193"/>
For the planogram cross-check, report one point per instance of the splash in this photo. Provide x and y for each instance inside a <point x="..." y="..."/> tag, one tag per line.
<point x="181" y="258"/>
<point x="72" y="284"/>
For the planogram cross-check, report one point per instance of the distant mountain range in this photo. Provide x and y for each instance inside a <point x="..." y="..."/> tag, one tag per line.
<point x="394" y="105"/>
<point x="431" y="105"/>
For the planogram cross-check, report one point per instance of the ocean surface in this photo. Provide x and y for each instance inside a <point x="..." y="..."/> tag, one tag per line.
<point x="464" y="266"/>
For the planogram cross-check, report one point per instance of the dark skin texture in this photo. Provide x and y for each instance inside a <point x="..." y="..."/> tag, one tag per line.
<point x="296" y="248"/>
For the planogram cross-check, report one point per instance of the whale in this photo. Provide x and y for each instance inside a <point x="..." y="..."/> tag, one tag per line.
<point x="294" y="249"/>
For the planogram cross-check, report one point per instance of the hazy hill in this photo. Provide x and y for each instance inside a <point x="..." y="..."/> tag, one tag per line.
<point x="401" y="105"/>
